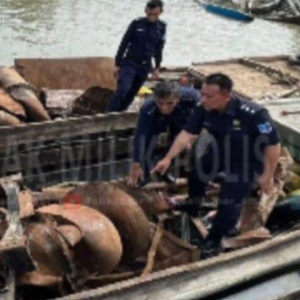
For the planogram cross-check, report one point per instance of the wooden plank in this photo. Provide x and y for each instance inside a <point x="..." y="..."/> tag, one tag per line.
<point x="68" y="73"/>
<point x="91" y="173"/>
<point x="236" y="60"/>
<point x="53" y="130"/>
<point x="68" y="154"/>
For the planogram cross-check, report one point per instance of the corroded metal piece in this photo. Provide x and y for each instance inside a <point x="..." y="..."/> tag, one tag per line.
<point x="123" y="211"/>
<point x="93" y="101"/>
<point x="151" y="202"/>
<point x="10" y="77"/>
<point x="100" y="238"/>
<point x="13" y="244"/>
<point x="10" y="105"/>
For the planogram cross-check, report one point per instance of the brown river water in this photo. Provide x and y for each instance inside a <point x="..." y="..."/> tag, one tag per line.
<point x="71" y="28"/>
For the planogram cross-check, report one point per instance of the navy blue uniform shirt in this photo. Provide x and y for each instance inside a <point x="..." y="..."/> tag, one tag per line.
<point x="142" y="41"/>
<point x="152" y="122"/>
<point x="241" y="133"/>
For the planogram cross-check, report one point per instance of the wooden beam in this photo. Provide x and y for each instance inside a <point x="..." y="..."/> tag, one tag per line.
<point x="53" y="130"/>
<point x="72" y="153"/>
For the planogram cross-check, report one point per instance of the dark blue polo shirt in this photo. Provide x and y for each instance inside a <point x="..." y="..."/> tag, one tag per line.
<point x="240" y="134"/>
<point x="142" y="41"/>
<point x="151" y="122"/>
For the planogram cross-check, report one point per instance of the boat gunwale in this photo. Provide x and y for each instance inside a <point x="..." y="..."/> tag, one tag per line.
<point x="269" y="248"/>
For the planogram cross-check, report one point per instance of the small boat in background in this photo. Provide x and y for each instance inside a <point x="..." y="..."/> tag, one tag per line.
<point x="263" y="6"/>
<point x="226" y="12"/>
<point x="285" y="11"/>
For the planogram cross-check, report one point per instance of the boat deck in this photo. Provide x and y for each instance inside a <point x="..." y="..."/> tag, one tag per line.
<point x="288" y="125"/>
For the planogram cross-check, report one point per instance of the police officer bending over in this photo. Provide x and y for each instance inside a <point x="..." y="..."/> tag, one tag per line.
<point x="245" y="146"/>
<point x="143" y="40"/>
<point x="168" y="108"/>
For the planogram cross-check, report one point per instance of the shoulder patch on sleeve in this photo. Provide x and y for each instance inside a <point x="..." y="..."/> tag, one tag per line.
<point x="265" y="128"/>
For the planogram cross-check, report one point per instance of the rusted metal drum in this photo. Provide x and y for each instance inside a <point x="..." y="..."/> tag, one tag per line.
<point x="123" y="211"/>
<point x="100" y="249"/>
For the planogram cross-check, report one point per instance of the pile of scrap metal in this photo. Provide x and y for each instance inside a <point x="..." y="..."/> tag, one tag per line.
<point x="68" y="239"/>
<point x="22" y="102"/>
<point x="79" y="236"/>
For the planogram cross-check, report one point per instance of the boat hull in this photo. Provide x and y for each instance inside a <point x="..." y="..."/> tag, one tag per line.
<point x="226" y="12"/>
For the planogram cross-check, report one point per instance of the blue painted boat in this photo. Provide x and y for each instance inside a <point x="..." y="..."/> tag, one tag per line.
<point x="226" y="12"/>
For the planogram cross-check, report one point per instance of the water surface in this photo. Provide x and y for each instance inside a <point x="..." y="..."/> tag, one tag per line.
<point x="70" y="28"/>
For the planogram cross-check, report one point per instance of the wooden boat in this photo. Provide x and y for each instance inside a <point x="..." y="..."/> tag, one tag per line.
<point x="226" y="12"/>
<point x="262" y="6"/>
<point x="286" y="11"/>
<point x="72" y="147"/>
<point x="69" y="140"/>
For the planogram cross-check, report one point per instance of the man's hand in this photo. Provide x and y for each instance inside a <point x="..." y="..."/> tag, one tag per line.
<point x="116" y="72"/>
<point x="155" y="74"/>
<point x="162" y="166"/>
<point x="135" y="174"/>
<point x="266" y="183"/>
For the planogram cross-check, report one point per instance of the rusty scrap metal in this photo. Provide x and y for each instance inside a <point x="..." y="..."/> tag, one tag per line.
<point x="37" y="279"/>
<point x="93" y="101"/>
<point x="25" y="200"/>
<point x="100" y="238"/>
<point x="13" y="244"/>
<point x="152" y="202"/>
<point x="44" y="244"/>
<point x="10" y="105"/>
<point x="246" y="239"/>
<point x="9" y="78"/>
<point x="7" y="119"/>
<point x="59" y="102"/>
<point x="255" y="213"/>
<point x="173" y="251"/>
<point x="122" y="210"/>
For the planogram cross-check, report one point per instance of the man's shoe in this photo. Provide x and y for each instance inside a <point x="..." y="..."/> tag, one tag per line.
<point x="210" y="249"/>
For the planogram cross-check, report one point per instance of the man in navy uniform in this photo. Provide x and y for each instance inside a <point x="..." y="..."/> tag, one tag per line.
<point x="168" y="108"/>
<point x="245" y="145"/>
<point x="143" y="41"/>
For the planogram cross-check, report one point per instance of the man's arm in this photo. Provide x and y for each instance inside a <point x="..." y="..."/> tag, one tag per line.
<point x="184" y="138"/>
<point x="159" y="48"/>
<point x="181" y="142"/>
<point x="271" y="158"/>
<point x="267" y="131"/>
<point x="124" y="43"/>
